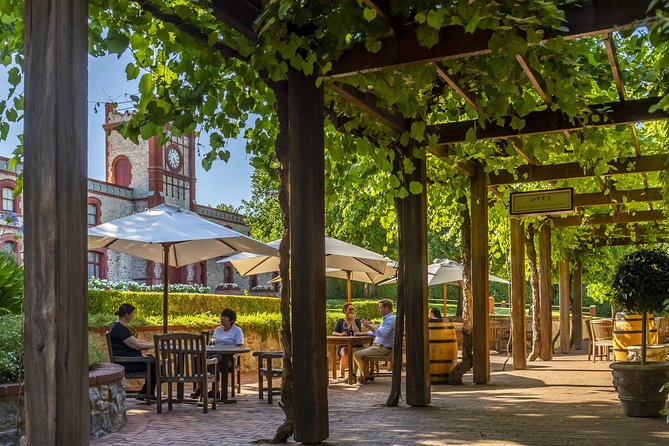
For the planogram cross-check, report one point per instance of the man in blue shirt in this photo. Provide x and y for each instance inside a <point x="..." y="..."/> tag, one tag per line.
<point x="384" y="336"/>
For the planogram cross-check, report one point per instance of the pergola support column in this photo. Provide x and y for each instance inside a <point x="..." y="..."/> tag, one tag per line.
<point x="307" y="245"/>
<point x="518" y="294"/>
<point x="564" y="305"/>
<point x="412" y="223"/>
<point x="55" y="304"/>
<point x="479" y="256"/>
<point x="545" y="292"/>
<point x="577" y="313"/>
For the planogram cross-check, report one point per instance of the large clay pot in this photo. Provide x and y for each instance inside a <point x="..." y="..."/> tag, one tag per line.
<point x="638" y="387"/>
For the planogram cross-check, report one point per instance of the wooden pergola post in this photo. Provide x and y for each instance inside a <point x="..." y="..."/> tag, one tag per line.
<point x="307" y="244"/>
<point x="577" y="312"/>
<point x="518" y="294"/>
<point x="55" y="303"/>
<point x="479" y="247"/>
<point x="412" y="224"/>
<point x="545" y="292"/>
<point x="564" y="305"/>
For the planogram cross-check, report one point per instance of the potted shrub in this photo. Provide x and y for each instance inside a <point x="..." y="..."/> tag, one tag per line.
<point x="641" y="285"/>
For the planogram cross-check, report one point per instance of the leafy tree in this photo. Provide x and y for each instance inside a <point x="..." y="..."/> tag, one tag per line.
<point x="228" y="208"/>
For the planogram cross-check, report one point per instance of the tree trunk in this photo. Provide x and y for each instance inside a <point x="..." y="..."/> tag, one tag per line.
<point x="396" y="379"/>
<point x="467" y="362"/>
<point x="534" y="282"/>
<point x="284" y="431"/>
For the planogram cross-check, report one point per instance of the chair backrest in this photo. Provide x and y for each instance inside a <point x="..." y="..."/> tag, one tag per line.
<point x="662" y="326"/>
<point x="110" y="351"/>
<point x="602" y="329"/>
<point x="181" y="357"/>
<point x="587" y="325"/>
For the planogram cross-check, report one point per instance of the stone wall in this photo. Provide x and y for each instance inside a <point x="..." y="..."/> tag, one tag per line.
<point x="12" y="421"/>
<point x="106" y="398"/>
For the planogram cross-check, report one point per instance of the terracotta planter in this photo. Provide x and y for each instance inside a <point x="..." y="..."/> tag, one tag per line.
<point x="229" y="292"/>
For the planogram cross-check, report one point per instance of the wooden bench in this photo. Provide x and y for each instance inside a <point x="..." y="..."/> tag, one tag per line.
<point x="267" y="371"/>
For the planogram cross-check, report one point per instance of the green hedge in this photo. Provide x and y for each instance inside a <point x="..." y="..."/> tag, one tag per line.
<point x="180" y="304"/>
<point x="11" y="348"/>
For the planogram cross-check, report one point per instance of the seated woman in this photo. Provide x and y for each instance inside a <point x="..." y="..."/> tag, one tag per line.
<point x="435" y="315"/>
<point x="124" y="343"/>
<point x="225" y="334"/>
<point x="346" y="326"/>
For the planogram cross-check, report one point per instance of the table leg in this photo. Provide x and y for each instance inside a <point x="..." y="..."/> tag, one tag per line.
<point x="333" y="360"/>
<point x="351" y="375"/>
<point x="224" y="383"/>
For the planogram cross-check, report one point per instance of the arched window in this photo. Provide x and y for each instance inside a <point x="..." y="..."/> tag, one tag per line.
<point x="93" y="211"/>
<point x="9" y="246"/>
<point x="228" y="275"/>
<point x="8" y="199"/>
<point x="253" y="281"/>
<point x="97" y="264"/>
<point x="121" y="171"/>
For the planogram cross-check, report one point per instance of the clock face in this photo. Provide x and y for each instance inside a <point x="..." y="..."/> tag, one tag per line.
<point x="173" y="158"/>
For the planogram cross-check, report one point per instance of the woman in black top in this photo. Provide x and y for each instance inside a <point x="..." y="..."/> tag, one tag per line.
<point x="124" y="343"/>
<point x="346" y="326"/>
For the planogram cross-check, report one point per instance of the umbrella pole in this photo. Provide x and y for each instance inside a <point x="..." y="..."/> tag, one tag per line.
<point x="445" y="298"/>
<point x="166" y="267"/>
<point x="348" y="285"/>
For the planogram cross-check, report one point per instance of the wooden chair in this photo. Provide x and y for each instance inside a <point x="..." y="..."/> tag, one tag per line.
<point x="373" y="363"/>
<point x="591" y="340"/>
<point x="145" y="375"/>
<point x="182" y="358"/>
<point x="267" y="371"/>
<point x="602" y="338"/>
<point x="495" y="337"/>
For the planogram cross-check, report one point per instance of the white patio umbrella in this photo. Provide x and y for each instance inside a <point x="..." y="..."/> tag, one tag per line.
<point x="343" y="259"/>
<point x="172" y="236"/>
<point x="446" y="272"/>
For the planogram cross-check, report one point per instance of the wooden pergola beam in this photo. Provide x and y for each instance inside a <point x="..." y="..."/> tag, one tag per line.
<point x="467" y="168"/>
<point x="454" y="43"/>
<point x="618" y="197"/>
<point x="382" y="8"/>
<point x="239" y="15"/>
<point x="606" y="219"/>
<point x="625" y="231"/>
<point x="550" y="121"/>
<point x="454" y="83"/>
<point x="527" y="174"/>
<point x="613" y="64"/>
<point x="366" y="102"/>
<point x="626" y="241"/>
<point x="535" y="79"/>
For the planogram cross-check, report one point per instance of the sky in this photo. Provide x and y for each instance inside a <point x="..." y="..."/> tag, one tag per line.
<point x="228" y="183"/>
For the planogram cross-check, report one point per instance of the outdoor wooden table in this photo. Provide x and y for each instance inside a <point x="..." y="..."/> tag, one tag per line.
<point x="348" y="342"/>
<point x="227" y="353"/>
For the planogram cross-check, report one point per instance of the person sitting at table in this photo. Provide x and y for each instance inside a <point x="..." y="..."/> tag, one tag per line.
<point x="435" y="315"/>
<point x="346" y="326"/>
<point x="124" y="343"/>
<point x="225" y="334"/>
<point x="384" y="337"/>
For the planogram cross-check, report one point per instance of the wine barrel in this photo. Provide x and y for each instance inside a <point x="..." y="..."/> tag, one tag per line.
<point x="443" y="351"/>
<point x="627" y="331"/>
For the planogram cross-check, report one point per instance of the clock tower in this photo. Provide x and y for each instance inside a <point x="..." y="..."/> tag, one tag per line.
<point x="157" y="173"/>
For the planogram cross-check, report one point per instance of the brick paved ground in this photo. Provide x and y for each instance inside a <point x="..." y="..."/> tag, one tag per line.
<point x="567" y="401"/>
